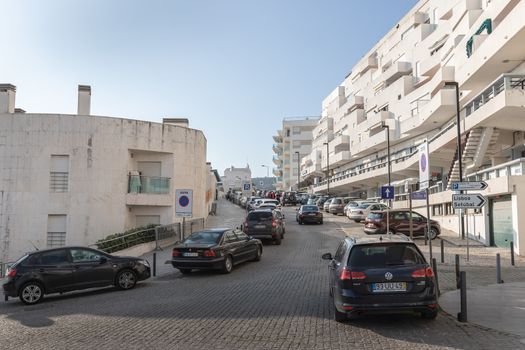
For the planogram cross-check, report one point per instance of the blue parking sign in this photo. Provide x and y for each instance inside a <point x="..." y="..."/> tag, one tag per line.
<point x="387" y="192"/>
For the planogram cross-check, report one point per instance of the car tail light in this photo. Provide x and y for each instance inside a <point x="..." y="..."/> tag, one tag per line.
<point x="422" y="273"/>
<point x="209" y="253"/>
<point x="346" y="274"/>
<point x="245" y="227"/>
<point x="274" y="223"/>
<point x="348" y="307"/>
<point x="175" y="253"/>
<point x="11" y="273"/>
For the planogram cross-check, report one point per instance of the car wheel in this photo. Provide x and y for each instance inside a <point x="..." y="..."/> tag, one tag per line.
<point x="433" y="233"/>
<point x="126" y="279"/>
<point x="430" y="314"/>
<point x="277" y="240"/>
<point x="185" y="271"/>
<point x="258" y="254"/>
<point x="339" y="316"/>
<point x="31" y="293"/>
<point x="227" y="265"/>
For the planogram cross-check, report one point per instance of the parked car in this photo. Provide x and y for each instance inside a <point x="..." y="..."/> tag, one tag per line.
<point x="309" y="213"/>
<point x="288" y="198"/>
<point x="387" y="273"/>
<point x="326" y="205"/>
<point x="399" y="222"/>
<point x="337" y="205"/>
<point x="250" y="204"/>
<point x="66" y="269"/>
<point x="320" y="201"/>
<point x="215" y="249"/>
<point x="312" y="201"/>
<point x="265" y="224"/>
<point x="361" y="212"/>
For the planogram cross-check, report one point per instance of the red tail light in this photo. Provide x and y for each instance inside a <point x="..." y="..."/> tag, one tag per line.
<point x="346" y="274"/>
<point x="11" y="272"/>
<point x="245" y="227"/>
<point x="175" y="253"/>
<point x="274" y="223"/>
<point x="422" y="273"/>
<point x="209" y="253"/>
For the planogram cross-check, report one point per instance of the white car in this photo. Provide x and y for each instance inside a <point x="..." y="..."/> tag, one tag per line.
<point x="360" y="212"/>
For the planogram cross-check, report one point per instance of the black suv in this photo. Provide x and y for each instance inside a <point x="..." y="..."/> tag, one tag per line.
<point x="381" y="274"/>
<point x="70" y="268"/>
<point x="289" y="198"/>
<point x="265" y="224"/>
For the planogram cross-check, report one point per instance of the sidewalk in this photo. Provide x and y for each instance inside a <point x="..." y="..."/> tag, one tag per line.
<point x="228" y="215"/>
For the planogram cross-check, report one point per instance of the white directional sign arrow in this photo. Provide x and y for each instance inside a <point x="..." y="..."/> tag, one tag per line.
<point x="387" y="191"/>
<point x="469" y="186"/>
<point x="466" y="201"/>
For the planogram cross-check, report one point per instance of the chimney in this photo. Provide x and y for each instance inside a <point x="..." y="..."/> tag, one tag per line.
<point x="184" y="122"/>
<point x="84" y="100"/>
<point x="7" y="98"/>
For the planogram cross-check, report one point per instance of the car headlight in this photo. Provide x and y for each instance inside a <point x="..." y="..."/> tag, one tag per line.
<point x="144" y="262"/>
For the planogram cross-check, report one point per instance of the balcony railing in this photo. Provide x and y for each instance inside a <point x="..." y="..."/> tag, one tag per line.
<point x="505" y="82"/>
<point x="148" y="184"/>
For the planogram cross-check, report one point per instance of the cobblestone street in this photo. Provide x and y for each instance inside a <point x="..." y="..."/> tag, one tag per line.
<point x="281" y="302"/>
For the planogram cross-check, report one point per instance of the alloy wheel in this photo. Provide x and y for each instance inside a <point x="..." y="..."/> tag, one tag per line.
<point x="31" y="293"/>
<point x="126" y="280"/>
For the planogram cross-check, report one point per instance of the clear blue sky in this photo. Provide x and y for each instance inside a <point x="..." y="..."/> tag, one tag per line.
<point x="235" y="68"/>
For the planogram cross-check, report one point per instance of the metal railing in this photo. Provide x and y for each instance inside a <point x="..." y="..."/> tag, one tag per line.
<point x="58" y="181"/>
<point x="148" y="184"/>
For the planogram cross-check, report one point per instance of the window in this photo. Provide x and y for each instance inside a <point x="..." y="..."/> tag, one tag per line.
<point x="59" y="173"/>
<point x="296" y="130"/>
<point x="230" y="237"/>
<point x="437" y="210"/>
<point x="381" y="255"/>
<point x="84" y="255"/>
<point x="340" y="252"/>
<point x="241" y="235"/>
<point x="56" y="231"/>
<point x="53" y="257"/>
<point x="204" y="237"/>
<point x="288" y="132"/>
<point x="400" y="216"/>
<point x="449" y="210"/>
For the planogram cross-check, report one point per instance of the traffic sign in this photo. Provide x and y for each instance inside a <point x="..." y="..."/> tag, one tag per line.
<point x="469" y="186"/>
<point x="184" y="203"/>
<point x="419" y="195"/>
<point x="465" y="201"/>
<point x="387" y="192"/>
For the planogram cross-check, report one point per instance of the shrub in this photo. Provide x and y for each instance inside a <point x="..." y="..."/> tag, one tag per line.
<point x="129" y="238"/>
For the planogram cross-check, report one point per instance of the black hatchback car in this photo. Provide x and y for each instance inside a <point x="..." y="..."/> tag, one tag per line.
<point x="70" y="268"/>
<point x="265" y="224"/>
<point x="215" y="249"/>
<point x="381" y="274"/>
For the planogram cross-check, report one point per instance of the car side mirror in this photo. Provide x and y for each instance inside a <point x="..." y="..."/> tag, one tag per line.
<point x="327" y="256"/>
<point x="103" y="260"/>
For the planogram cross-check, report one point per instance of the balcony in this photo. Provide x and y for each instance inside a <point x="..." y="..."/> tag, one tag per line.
<point x="277" y="160"/>
<point x="278" y="172"/>
<point x="419" y="18"/>
<point x="340" y="158"/>
<point x="148" y="190"/>
<point x="341" y="143"/>
<point x="368" y="63"/>
<point x="277" y="149"/>
<point x="374" y="120"/>
<point x="278" y="138"/>
<point x="353" y="102"/>
<point x="395" y="71"/>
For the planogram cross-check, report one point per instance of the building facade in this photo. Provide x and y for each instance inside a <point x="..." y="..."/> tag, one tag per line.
<point x="292" y="143"/>
<point x="401" y="94"/>
<point x="74" y="179"/>
<point x="266" y="183"/>
<point x="236" y="178"/>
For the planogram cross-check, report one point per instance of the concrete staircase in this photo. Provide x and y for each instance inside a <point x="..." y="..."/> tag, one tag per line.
<point x="478" y="145"/>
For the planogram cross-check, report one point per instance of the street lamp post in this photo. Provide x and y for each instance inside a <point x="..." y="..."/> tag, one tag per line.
<point x="298" y="170"/>
<point x="327" y="169"/>
<point x="455" y="85"/>
<point x="387" y="127"/>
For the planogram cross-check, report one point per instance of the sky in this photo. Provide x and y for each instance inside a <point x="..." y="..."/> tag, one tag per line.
<point x="234" y="68"/>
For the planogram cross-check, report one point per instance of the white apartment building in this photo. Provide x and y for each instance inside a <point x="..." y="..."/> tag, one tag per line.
<point x="292" y="143"/>
<point x="398" y="87"/>
<point x="74" y="179"/>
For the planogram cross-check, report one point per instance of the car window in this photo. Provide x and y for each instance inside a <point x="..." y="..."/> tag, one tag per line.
<point x="84" y="255"/>
<point x="230" y="237"/>
<point x="364" y="205"/>
<point x="206" y="237"/>
<point x="260" y="216"/>
<point x="400" y="215"/>
<point x="375" y="207"/>
<point x="340" y="251"/>
<point x="241" y="235"/>
<point x="383" y="255"/>
<point x="375" y="216"/>
<point x="53" y="257"/>
<point x="416" y="215"/>
<point x="309" y="208"/>
<point x="336" y="201"/>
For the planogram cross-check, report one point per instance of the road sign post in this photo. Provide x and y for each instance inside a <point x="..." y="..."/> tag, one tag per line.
<point x="184" y="203"/>
<point x="387" y="192"/>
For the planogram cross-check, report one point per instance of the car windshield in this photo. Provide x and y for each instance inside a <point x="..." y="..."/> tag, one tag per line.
<point x="204" y="237"/>
<point x="337" y="201"/>
<point x="375" y="216"/>
<point x="260" y="216"/>
<point x="364" y="205"/>
<point x="384" y="255"/>
<point x="310" y="208"/>
<point x="271" y="202"/>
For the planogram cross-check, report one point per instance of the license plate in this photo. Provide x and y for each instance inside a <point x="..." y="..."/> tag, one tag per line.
<point x="190" y="254"/>
<point x="312" y="214"/>
<point x="389" y="287"/>
<point x="259" y="226"/>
